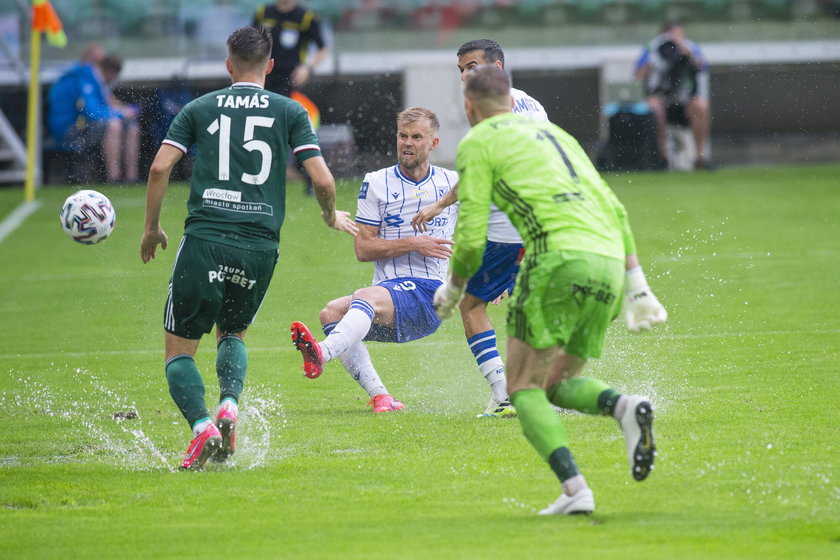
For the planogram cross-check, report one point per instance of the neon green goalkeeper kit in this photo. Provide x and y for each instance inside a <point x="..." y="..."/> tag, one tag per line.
<point x="556" y="203"/>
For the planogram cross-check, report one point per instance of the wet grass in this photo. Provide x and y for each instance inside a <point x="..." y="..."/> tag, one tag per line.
<point x="743" y="377"/>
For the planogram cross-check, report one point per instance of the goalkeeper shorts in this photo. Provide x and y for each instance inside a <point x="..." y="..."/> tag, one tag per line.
<point x="567" y="299"/>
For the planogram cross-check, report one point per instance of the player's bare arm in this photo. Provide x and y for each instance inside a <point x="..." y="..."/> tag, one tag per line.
<point x="158" y="182"/>
<point x="324" y="187"/>
<point x="369" y="247"/>
<point x="420" y="220"/>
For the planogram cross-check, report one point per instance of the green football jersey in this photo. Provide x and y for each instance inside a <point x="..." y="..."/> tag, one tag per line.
<point x="242" y="135"/>
<point x="539" y="176"/>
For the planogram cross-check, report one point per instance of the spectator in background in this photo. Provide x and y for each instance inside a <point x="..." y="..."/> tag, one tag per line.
<point x="675" y="77"/>
<point x="83" y="112"/>
<point x="122" y="139"/>
<point x="93" y="54"/>
<point x="292" y="29"/>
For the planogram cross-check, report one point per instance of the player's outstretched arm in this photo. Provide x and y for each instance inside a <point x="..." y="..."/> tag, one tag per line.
<point x="324" y="186"/>
<point x="159" y="173"/>
<point x="642" y="311"/>
<point x="420" y="220"/>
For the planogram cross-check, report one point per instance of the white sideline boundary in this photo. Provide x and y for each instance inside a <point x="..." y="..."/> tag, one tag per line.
<point x="17" y="217"/>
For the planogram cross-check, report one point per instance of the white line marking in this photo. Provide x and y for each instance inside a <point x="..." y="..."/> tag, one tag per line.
<point x="453" y="342"/>
<point x="17" y="217"/>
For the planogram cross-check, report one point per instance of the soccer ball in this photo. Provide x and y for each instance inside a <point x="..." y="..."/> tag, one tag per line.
<point x="88" y="217"/>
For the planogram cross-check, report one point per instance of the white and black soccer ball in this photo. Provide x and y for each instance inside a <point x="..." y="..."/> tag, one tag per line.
<point x="88" y="217"/>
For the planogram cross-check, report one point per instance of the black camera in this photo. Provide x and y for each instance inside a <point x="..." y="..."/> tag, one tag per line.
<point x="668" y="50"/>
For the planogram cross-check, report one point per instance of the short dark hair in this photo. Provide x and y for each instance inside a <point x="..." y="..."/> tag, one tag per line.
<point x="250" y="46"/>
<point x="492" y="50"/>
<point x="111" y="63"/>
<point x="487" y="81"/>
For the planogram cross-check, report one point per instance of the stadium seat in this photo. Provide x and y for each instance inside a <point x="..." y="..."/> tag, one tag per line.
<point x="129" y="15"/>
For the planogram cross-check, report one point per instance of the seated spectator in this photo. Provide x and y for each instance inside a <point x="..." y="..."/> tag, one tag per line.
<point x="675" y="74"/>
<point x="83" y="112"/>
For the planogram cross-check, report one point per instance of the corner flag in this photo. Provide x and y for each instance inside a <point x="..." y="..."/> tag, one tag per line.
<point x="45" y="19"/>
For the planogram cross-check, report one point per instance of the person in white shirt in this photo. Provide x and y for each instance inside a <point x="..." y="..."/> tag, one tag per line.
<point x="503" y="252"/>
<point x="409" y="265"/>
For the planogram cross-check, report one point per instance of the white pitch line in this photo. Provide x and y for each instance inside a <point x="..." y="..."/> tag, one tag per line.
<point x="451" y="342"/>
<point x="13" y="220"/>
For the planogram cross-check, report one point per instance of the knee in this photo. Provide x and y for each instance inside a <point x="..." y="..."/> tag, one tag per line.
<point x="698" y="107"/>
<point x="334" y="311"/>
<point x="469" y="305"/>
<point x="115" y="126"/>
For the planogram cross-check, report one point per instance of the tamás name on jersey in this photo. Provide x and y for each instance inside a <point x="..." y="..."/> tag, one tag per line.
<point x="256" y="101"/>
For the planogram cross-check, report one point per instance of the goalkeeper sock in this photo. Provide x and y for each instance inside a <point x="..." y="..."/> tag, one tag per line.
<point x="352" y="328"/>
<point x="186" y="388"/>
<point x="490" y="364"/>
<point x="584" y="394"/>
<point x="231" y="367"/>
<point x="540" y="424"/>
<point x="564" y="466"/>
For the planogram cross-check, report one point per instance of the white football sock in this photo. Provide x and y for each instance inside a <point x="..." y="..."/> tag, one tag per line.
<point x="356" y="360"/>
<point x="350" y="330"/>
<point x="620" y="407"/>
<point x="232" y="403"/>
<point x="200" y="426"/>
<point x="490" y="364"/>
<point x="572" y="486"/>
<point x="493" y="371"/>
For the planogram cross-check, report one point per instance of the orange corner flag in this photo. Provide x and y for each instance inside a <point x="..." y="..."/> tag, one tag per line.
<point x="311" y="109"/>
<point x="46" y="20"/>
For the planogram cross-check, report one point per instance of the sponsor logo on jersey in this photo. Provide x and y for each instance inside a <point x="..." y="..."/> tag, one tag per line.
<point x="230" y="275"/>
<point x="237" y="206"/>
<point x="222" y="194"/>
<point x="363" y="191"/>
<point x="393" y="221"/>
<point x="419" y="193"/>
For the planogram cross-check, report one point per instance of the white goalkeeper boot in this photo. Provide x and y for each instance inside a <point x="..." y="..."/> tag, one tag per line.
<point x="637" y="425"/>
<point x="582" y="503"/>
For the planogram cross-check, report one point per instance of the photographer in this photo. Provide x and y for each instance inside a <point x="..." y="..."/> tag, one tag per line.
<point x="675" y="78"/>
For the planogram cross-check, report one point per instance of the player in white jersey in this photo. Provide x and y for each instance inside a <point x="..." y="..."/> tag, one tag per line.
<point x="409" y="265"/>
<point x="502" y="254"/>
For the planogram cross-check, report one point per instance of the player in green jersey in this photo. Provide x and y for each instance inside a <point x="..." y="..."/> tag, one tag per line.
<point x="236" y="207"/>
<point x="577" y="242"/>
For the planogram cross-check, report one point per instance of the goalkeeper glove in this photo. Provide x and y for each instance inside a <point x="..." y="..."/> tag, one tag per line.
<point x="641" y="308"/>
<point x="447" y="297"/>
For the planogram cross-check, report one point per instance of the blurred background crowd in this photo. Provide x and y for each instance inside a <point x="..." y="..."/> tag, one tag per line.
<point x="773" y="68"/>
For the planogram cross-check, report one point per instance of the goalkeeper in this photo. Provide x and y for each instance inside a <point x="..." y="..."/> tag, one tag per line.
<point x="577" y="243"/>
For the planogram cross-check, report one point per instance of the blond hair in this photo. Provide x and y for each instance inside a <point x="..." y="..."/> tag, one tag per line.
<point x="414" y="114"/>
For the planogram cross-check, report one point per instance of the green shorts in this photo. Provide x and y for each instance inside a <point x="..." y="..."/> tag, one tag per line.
<point x="567" y="299"/>
<point x="215" y="284"/>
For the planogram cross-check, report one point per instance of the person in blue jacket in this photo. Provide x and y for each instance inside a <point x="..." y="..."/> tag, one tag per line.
<point x="82" y="112"/>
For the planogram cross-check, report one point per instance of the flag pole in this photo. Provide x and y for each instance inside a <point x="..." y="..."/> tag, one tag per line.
<point x="33" y="173"/>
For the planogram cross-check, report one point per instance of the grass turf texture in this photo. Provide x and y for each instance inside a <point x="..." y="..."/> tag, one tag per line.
<point x="744" y="376"/>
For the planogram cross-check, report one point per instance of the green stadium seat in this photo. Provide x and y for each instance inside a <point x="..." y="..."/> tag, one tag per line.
<point x="129" y="15"/>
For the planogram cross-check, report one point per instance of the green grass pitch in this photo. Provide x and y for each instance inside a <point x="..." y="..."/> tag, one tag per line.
<point x="744" y="377"/>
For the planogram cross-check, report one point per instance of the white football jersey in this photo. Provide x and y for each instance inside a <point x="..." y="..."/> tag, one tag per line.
<point x="499" y="228"/>
<point x="388" y="199"/>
